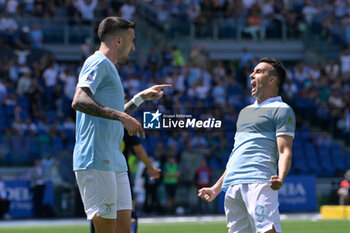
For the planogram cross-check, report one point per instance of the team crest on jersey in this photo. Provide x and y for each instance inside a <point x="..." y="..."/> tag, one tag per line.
<point x="109" y="207"/>
<point x="91" y="76"/>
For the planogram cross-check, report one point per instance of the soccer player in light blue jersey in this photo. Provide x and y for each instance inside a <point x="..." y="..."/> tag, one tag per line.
<point x="263" y="143"/>
<point x="98" y="162"/>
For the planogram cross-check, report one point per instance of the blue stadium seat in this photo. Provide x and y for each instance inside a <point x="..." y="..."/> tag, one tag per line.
<point x="69" y="133"/>
<point x="312" y="159"/>
<point x="57" y="144"/>
<point x="298" y="150"/>
<point x="299" y="166"/>
<point x="324" y="152"/>
<point x="51" y="116"/>
<point x="338" y="157"/>
<point x="70" y="145"/>
<point x="347" y="160"/>
<point x="310" y="150"/>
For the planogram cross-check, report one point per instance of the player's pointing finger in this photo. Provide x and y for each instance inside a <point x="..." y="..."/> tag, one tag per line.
<point x="161" y="86"/>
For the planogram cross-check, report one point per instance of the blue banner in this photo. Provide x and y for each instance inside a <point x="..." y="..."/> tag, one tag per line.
<point x="20" y="196"/>
<point x="298" y="193"/>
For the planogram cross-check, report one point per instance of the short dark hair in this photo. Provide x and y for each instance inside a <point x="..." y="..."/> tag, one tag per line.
<point x="111" y="26"/>
<point x="277" y="69"/>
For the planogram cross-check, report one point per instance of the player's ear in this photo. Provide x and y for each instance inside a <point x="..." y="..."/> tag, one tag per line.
<point x="273" y="81"/>
<point x="117" y="41"/>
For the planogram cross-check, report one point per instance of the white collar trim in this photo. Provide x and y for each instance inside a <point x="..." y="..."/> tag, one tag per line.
<point x="273" y="99"/>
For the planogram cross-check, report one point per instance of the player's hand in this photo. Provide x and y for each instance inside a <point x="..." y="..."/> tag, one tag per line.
<point x="276" y="182"/>
<point x="207" y="194"/>
<point x="154" y="172"/>
<point x="132" y="125"/>
<point x="154" y="92"/>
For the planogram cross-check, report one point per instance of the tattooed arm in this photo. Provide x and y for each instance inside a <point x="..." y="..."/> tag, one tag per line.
<point x="84" y="102"/>
<point x="151" y="93"/>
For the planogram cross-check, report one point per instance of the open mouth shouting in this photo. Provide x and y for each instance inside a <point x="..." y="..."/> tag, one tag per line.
<point x="253" y="83"/>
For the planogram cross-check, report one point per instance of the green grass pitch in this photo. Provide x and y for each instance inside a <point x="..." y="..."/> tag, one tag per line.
<point x="288" y="226"/>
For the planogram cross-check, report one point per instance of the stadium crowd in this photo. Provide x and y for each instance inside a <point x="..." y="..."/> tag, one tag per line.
<point x="36" y="119"/>
<point x="264" y="17"/>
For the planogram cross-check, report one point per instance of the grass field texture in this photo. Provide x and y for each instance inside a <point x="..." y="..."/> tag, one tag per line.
<point x="288" y="226"/>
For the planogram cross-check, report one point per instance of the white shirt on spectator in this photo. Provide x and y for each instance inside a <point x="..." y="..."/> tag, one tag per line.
<point x="11" y="6"/>
<point x="309" y="12"/>
<point x="86" y="10"/>
<point x="332" y="70"/>
<point x="179" y="82"/>
<point x="50" y="75"/>
<point x="69" y="86"/>
<point x="248" y="3"/>
<point x="8" y="24"/>
<point x="345" y="63"/>
<point x="127" y="11"/>
<point x="3" y="90"/>
<point x="23" y="84"/>
<point x="3" y="192"/>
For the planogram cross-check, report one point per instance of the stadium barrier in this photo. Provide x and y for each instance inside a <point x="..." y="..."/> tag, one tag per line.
<point x="298" y="193"/>
<point x="335" y="212"/>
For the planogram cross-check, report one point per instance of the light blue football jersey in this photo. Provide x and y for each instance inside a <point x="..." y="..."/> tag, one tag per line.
<point x="255" y="153"/>
<point x="98" y="140"/>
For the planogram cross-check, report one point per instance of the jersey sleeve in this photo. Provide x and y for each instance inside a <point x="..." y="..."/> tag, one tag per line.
<point x="285" y="121"/>
<point x="92" y="77"/>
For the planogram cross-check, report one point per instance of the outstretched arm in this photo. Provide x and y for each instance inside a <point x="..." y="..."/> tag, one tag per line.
<point x="84" y="102"/>
<point x="142" y="155"/>
<point x="154" y="92"/>
<point x="209" y="194"/>
<point x="284" y="144"/>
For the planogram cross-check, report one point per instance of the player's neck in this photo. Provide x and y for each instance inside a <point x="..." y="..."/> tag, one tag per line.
<point x="262" y="99"/>
<point x="108" y="52"/>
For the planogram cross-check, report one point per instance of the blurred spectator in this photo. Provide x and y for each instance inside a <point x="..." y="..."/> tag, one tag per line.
<point x="24" y="83"/>
<point x="152" y="203"/>
<point x="127" y="11"/>
<point x="255" y="26"/>
<point x="345" y="64"/>
<point x="36" y="36"/>
<point x="324" y="139"/>
<point x="72" y="12"/>
<point x="344" y="190"/>
<point x="8" y="27"/>
<point x="86" y="9"/>
<point x="170" y="180"/>
<point x="21" y="38"/>
<point x="245" y="57"/>
<point x="4" y="201"/>
<point x="178" y="60"/>
<point x="332" y="70"/>
<point x="163" y="15"/>
<point x="3" y="90"/>
<point x="203" y="174"/>
<point x="309" y="11"/>
<point x="152" y="60"/>
<point x="69" y="81"/>
<point x="203" y="179"/>
<point x="38" y="179"/>
<point x="193" y="12"/>
<point x="86" y="49"/>
<point x="11" y="7"/>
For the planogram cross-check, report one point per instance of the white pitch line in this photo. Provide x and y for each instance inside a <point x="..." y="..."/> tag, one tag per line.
<point x="200" y="219"/>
